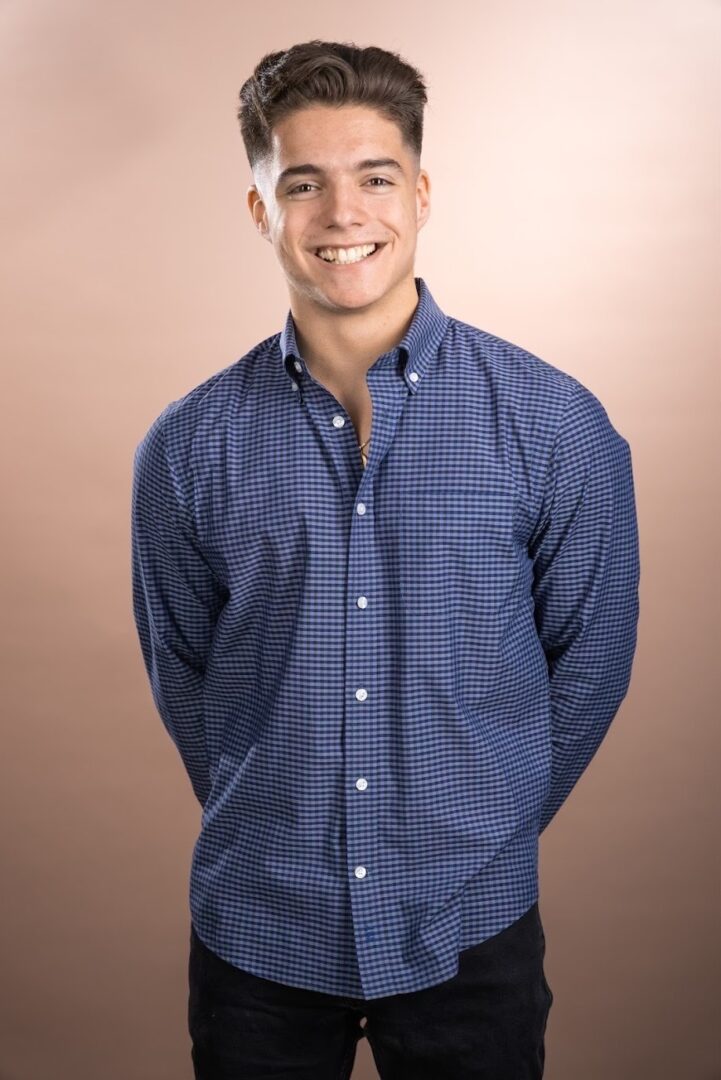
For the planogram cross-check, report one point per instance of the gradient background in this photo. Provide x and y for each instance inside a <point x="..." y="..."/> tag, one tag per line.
<point x="573" y="149"/>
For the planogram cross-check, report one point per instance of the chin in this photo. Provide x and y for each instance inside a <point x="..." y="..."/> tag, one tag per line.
<point x="354" y="296"/>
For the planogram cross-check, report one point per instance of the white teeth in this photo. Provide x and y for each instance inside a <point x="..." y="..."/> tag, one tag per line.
<point x="346" y="255"/>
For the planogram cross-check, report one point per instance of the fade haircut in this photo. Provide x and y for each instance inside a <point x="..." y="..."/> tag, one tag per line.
<point x="329" y="73"/>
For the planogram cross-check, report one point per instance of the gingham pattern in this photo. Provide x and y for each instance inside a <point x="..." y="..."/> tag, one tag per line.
<point x="383" y="683"/>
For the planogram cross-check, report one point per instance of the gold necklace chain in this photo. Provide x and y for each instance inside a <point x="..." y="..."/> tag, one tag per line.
<point x="363" y="454"/>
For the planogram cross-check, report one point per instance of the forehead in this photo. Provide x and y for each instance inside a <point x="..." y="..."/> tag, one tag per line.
<point x="334" y="136"/>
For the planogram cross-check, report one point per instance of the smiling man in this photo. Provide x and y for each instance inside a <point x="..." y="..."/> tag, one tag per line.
<point x="385" y="579"/>
<point x="343" y="222"/>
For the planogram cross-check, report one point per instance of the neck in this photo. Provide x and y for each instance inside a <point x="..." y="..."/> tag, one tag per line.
<point x="340" y="346"/>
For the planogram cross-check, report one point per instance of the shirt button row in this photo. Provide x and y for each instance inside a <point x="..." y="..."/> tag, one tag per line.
<point x="361" y="695"/>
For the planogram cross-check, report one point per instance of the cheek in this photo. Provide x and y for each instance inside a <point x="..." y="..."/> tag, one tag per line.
<point x="291" y="243"/>
<point x="287" y="251"/>
<point x="405" y="222"/>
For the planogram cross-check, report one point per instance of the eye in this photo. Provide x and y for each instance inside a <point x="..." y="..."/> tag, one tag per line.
<point x="295" y="190"/>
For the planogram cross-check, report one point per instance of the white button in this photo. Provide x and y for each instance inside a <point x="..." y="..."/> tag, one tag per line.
<point x="361" y="783"/>
<point x="360" y="871"/>
<point x="338" y="421"/>
<point x="362" y="601"/>
<point x="360" y="508"/>
<point x="297" y="365"/>
<point x="295" y="385"/>
<point x="361" y="693"/>
<point x="414" y="376"/>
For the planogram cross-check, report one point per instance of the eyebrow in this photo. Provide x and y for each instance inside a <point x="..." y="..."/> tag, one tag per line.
<point x="316" y="170"/>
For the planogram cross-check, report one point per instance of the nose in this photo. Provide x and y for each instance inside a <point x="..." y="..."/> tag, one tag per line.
<point x="343" y="206"/>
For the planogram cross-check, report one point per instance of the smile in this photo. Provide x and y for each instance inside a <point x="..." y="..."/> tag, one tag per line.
<point x="340" y="257"/>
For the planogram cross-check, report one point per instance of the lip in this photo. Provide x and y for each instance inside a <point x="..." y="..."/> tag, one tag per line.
<point x="359" y="262"/>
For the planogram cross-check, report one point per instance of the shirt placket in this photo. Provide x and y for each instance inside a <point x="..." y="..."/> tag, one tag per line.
<point x="365" y="710"/>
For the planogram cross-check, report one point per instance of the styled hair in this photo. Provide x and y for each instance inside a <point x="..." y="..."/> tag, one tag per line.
<point x="329" y="73"/>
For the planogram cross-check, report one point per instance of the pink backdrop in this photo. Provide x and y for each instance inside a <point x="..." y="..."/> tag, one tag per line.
<point x="573" y="150"/>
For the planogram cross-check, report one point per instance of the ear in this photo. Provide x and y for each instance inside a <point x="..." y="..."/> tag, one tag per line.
<point x="256" y="206"/>
<point x="423" y="198"/>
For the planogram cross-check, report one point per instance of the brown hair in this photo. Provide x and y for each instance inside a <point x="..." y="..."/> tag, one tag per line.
<point x="329" y="73"/>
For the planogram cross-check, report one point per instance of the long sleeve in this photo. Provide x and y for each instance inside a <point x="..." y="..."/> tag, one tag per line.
<point x="176" y="603"/>
<point x="586" y="576"/>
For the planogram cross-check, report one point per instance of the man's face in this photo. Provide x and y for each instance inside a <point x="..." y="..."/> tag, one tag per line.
<point x="331" y="202"/>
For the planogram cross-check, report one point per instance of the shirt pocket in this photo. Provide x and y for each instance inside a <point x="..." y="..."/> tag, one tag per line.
<point x="456" y="571"/>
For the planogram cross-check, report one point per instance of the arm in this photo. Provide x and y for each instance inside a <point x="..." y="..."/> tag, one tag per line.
<point x="586" y="577"/>
<point x="176" y="603"/>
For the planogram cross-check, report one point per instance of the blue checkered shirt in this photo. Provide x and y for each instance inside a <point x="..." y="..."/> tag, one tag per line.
<point x="383" y="682"/>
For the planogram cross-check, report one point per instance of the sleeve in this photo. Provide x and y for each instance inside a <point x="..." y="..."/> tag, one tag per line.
<point x="586" y="573"/>
<point x="176" y="602"/>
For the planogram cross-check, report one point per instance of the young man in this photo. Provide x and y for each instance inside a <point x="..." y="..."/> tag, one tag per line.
<point x="385" y="573"/>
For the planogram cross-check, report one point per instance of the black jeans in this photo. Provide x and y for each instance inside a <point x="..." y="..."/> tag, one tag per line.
<point x="487" y="1022"/>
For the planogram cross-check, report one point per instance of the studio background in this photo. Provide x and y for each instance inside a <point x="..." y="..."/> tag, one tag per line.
<point x="573" y="150"/>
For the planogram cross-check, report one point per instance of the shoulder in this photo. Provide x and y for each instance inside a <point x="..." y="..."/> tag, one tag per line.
<point x="205" y="404"/>
<point x="538" y="395"/>
<point x="512" y="367"/>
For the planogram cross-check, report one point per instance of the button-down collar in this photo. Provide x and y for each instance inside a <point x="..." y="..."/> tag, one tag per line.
<point x="416" y="348"/>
